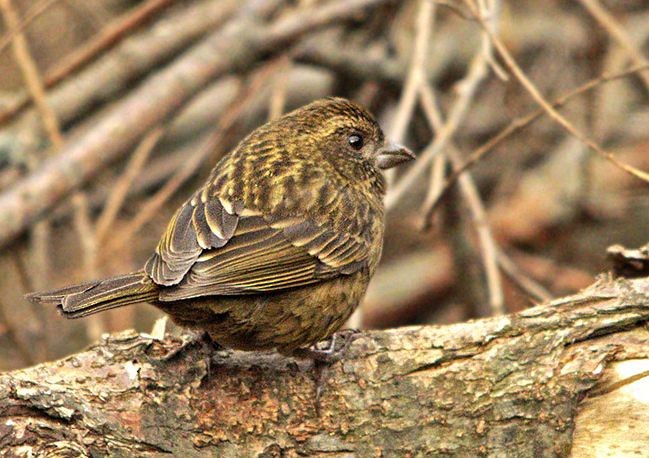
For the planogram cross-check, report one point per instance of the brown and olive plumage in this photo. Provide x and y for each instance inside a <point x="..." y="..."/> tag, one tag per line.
<point x="277" y="248"/>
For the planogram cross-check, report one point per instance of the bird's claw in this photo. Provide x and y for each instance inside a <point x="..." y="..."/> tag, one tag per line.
<point x="331" y="354"/>
<point x="323" y="358"/>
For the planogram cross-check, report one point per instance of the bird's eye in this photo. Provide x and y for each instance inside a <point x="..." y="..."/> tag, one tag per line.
<point x="356" y="141"/>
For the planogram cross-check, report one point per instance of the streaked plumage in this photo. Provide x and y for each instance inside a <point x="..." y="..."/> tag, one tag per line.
<point x="277" y="248"/>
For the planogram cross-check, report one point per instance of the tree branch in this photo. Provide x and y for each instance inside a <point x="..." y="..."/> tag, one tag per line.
<point x="519" y="385"/>
<point x="238" y="45"/>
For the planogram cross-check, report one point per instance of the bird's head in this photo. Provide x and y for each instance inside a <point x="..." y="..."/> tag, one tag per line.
<point x="347" y="134"/>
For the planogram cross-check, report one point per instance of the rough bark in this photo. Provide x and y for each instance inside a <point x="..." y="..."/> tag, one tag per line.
<point x="539" y="383"/>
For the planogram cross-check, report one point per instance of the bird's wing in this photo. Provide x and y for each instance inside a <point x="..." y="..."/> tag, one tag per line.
<point x="212" y="247"/>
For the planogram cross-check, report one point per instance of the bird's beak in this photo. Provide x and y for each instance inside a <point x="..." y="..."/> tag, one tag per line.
<point x="393" y="154"/>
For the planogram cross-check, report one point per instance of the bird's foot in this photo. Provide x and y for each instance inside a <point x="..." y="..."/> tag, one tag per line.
<point x="333" y="352"/>
<point x="322" y="358"/>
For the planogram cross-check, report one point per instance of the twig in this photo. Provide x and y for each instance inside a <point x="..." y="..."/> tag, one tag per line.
<point x="277" y="100"/>
<point x="96" y="324"/>
<point x="120" y="190"/>
<point x="491" y="10"/>
<point x="437" y="174"/>
<point x="41" y="233"/>
<point x="466" y="90"/>
<point x="37" y="91"/>
<point x="429" y="102"/>
<point x="615" y="30"/>
<point x="416" y="75"/>
<point x="526" y="283"/>
<point x="32" y="13"/>
<point x="107" y="76"/>
<point x="417" y="71"/>
<point x="520" y="123"/>
<point x="30" y="73"/>
<point x="471" y="195"/>
<point x="84" y="228"/>
<point x="39" y="251"/>
<point x="106" y="38"/>
<point x="236" y="46"/>
<point x="230" y="116"/>
<point x="516" y="70"/>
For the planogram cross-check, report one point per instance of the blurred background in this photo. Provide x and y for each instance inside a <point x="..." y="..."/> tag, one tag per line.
<point x="113" y="111"/>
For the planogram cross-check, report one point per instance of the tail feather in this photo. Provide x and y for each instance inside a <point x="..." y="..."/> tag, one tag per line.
<point x="96" y="296"/>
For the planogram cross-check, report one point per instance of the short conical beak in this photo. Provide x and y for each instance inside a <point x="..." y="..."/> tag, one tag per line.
<point x="393" y="154"/>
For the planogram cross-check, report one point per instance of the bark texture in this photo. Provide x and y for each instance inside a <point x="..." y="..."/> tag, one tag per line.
<point x="539" y="383"/>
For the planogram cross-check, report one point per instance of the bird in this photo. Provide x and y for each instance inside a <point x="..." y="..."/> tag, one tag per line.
<point x="277" y="248"/>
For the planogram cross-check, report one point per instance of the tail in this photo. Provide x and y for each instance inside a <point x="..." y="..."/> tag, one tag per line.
<point x="96" y="296"/>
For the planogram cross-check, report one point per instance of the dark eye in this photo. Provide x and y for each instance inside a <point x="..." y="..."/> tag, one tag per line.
<point x="356" y="141"/>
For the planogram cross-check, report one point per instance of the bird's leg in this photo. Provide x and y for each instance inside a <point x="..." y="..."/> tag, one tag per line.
<point x="331" y="354"/>
<point x="324" y="358"/>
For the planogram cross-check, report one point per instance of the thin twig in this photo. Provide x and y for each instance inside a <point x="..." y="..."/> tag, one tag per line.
<point x="516" y="70"/>
<point x="36" y="90"/>
<point x="416" y="75"/>
<point x="417" y="71"/>
<point x="41" y="232"/>
<point x="30" y="73"/>
<point x="84" y="227"/>
<point x="230" y="116"/>
<point x="473" y="79"/>
<point x="277" y="101"/>
<point x="520" y="123"/>
<point x="120" y="190"/>
<point x="466" y="89"/>
<point x="526" y="284"/>
<point x="39" y="250"/>
<point x="472" y="198"/>
<point x="32" y="13"/>
<point x="617" y="32"/>
<point x="107" y="37"/>
<point x="95" y="325"/>
<point x="106" y="78"/>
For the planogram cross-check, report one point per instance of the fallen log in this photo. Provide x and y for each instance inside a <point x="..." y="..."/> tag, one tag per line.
<point x="558" y="379"/>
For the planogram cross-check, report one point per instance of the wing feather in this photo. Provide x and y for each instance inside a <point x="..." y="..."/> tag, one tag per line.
<point x="256" y="259"/>
<point x="195" y="227"/>
<point x="219" y="246"/>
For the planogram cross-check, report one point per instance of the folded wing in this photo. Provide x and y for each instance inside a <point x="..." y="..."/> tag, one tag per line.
<point x="214" y="247"/>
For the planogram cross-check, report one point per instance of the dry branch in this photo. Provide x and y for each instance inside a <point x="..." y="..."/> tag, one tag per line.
<point x="534" y="92"/>
<point x="108" y="37"/>
<point x="239" y="44"/>
<point x="517" y="125"/>
<point x="517" y="385"/>
<point x="617" y="32"/>
<point x="350" y="62"/>
<point x="114" y="72"/>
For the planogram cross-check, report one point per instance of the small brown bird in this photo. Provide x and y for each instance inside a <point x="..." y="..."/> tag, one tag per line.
<point x="277" y="248"/>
